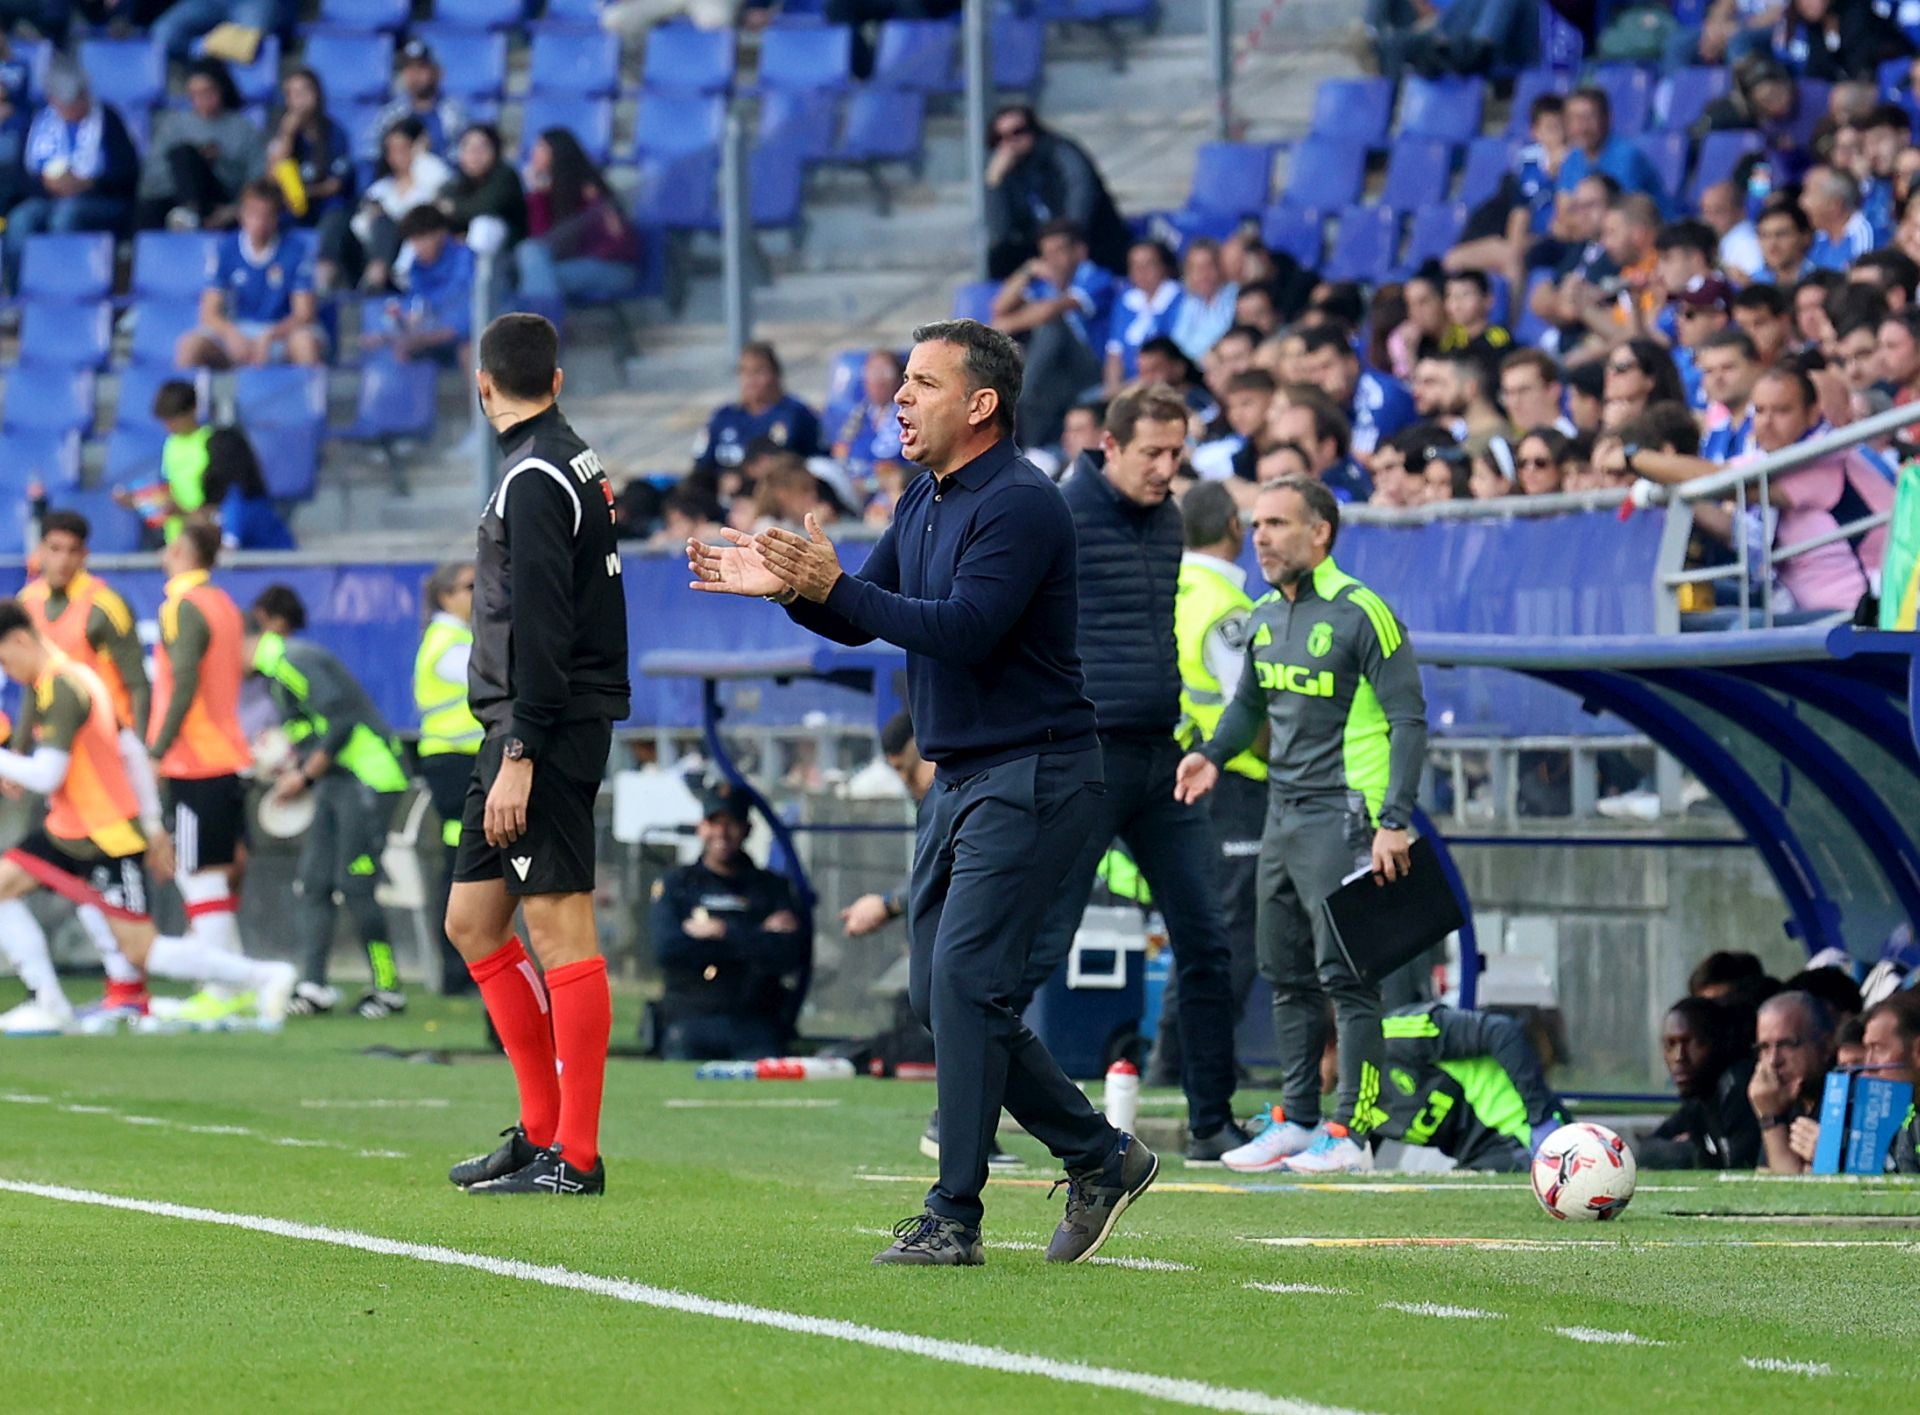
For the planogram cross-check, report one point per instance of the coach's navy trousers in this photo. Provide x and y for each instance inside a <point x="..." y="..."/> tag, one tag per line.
<point x="993" y="849"/>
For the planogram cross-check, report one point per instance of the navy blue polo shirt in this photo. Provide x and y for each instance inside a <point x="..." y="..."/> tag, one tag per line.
<point x="976" y="580"/>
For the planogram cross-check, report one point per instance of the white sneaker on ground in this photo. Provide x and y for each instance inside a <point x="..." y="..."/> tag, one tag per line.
<point x="34" y="1018"/>
<point x="273" y="995"/>
<point x="1330" y="1154"/>
<point x="1270" y="1148"/>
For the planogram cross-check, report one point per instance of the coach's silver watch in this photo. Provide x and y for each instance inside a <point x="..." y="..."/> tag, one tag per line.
<point x="515" y="750"/>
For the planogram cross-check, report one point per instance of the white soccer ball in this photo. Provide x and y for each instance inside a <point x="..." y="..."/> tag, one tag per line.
<point x="1583" y="1172"/>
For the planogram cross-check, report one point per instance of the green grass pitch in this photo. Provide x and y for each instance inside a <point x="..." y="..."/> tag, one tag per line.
<point x="774" y="1196"/>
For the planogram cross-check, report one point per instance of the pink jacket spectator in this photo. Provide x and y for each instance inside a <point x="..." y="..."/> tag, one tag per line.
<point x="1821" y="498"/>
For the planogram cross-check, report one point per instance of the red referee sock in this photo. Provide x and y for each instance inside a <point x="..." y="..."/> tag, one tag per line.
<point x="517" y="1002"/>
<point x="582" y="1022"/>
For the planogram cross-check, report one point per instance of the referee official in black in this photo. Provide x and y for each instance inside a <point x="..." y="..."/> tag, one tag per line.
<point x="976" y="580"/>
<point x="547" y="679"/>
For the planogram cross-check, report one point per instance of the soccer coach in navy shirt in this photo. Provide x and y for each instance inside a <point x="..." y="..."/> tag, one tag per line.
<point x="975" y="579"/>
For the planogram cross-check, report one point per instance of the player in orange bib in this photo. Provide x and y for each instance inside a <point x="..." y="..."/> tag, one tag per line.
<point x="195" y="733"/>
<point x="79" y="614"/>
<point x="102" y="809"/>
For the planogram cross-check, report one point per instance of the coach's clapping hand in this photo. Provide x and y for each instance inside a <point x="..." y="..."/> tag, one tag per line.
<point x="809" y="563"/>
<point x="731" y="569"/>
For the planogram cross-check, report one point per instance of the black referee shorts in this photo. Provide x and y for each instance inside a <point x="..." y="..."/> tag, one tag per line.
<point x="555" y="856"/>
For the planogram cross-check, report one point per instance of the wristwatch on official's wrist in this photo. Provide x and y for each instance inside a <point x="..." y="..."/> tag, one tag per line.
<point x="1628" y="452"/>
<point x="1392" y="823"/>
<point x="1774" y="1122"/>
<point x="514" y="750"/>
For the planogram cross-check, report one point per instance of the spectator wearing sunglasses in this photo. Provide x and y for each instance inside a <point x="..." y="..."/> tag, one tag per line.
<point x="1035" y="176"/>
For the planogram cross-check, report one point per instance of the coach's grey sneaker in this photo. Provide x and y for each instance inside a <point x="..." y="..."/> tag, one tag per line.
<point x="929" y="1241"/>
<point x="1097" y="1197"/>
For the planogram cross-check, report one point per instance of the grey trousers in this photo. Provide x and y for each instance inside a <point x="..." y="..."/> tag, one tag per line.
<point x="1311" y="845"/>
<point x="340" y="857"/>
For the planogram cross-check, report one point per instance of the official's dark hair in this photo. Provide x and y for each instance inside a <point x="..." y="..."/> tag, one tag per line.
<point x="67" y="523"/>
<point x="281" y="602"/>
<point x="1832" y="986"/>
<point x="217" y="74"/>
<point x="521" y="354"/>
<point x="897" y="735"/>
<point x="424" y="221"/>
<point x="1322" y="509"/>
<point x="1724" y="966"/>
<point x="1329" y="423"/>
<point x="203" y="538"/>
<point x="14" y="617"/>
<point x="992" y="360"/>
<point x="1732" y="337"/>
<point x="1143" y="402"/>
<point x="1209" y="514"/>
<point x="1689" y="235"/>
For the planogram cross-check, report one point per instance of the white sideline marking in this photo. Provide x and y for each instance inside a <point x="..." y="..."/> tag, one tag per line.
<point x="1548" y="1245"/>
<point x="377" y="1103"/>
<point x="1605" y="1338"/>
<point x="156" y="1122"/>
<point x="1011" y="1245"/>
<point x="1787" y="1368"/>
<point x="1289" y="1288"/>
<point x="1175" y="1389"/>
<point x="787" y="1103"/>
<point x="1440" y="1309"/>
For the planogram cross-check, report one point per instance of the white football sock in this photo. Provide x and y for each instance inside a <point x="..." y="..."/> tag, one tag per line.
<point x="220" y="927"/>
<point x="25" y="944"/>
<point x="195" y="961"/>
<point x="100" y="933"/>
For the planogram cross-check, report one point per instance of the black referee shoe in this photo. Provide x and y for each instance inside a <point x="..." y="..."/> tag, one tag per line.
<point x="515" y="1154"/>
<point x="548" y="1173"/>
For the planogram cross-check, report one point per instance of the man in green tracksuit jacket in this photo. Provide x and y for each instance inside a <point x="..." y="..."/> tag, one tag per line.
<point x="1330" y="674"/>
<point x="347" y="758"/>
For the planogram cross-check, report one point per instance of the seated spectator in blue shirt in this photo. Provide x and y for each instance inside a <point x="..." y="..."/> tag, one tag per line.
<point x="728" y="940"/>
<point x="421" y="97"/>
<point x="1593" y="148"/>
<point x="80" y="165"/>
<point x="766" y="412"/>
<point x="433" y="318"/>
<point x="1149" y="306"/>
<point x="1308" y="418"/>
<point x="1062" y="303"/>
<point x="312" y="158"/>
<point x="869" y="439"/>
<point x="1376" y="405"/>
<point x="1841" y="232"/>
<point x="260" y="308"/>
<point x="1207" y="312"/>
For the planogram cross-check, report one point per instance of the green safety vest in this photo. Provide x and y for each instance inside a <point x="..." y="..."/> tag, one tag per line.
<point x="447" y="724"/>
<point x="1203" y="598"/>
<point x="1900" y="575"/>
<point x="368" y="755"/>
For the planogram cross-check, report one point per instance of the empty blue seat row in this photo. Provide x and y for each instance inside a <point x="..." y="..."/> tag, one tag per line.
<point x="867" y="125"/>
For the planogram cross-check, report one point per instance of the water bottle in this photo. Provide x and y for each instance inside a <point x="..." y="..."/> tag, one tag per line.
<point x="1759" y="188"/>
<point x="1121" y="1101"/>
<point x="803" y="1068"/>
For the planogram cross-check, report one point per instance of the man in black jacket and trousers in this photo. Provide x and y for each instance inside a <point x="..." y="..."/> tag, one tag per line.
<point x="1130" y="540"/>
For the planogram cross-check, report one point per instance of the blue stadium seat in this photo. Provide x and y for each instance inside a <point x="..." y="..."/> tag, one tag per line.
<point x="1018" y="53"/>
<point x="1528" y="85"/>
<point x="575" y="64"/>
<point x="579" y="12"/>
<point x="1448" y="108"/>
<point x="678" y="191"/>
<point x="30" y="454"/>
<point x="799" y="60"/>
<point x="1629" y="90"/>
<point x="671" y="123"/>
<point x="1892" y="75"/>
<point x="473" y="61"/>
<point x="1668" y="154"/>
<point x="590" y="119"/>
<point x="1685" y="93"/>
<point x="1232" y="178"/>
<point x="157" y="327"/>
<point x="686" y="58"/>
<point x="355" y="66"/>
<point x="1325" y="173"/>
<point x="258" y="82"/>
<point x="388" y="15"/>
<point x="1562" y="46"/>
<point x="1353" y="109"/>
<point x="1089" y="11"/>
<point x="776" y="187"/>
<point x="974" y="300"/>
<point x="34" y="53"/>
<point x="1499" y="295"/>
<point x="1434" y="230"/>
<point x="1814" y="96"/>
<point x="801" y="122"/>
<point x="483" y="14"/>
<point x="290" y="403"/>
<point x="172" y="265"/>
<point x="1294" y="230"/>
<point x="1488" y="161"/>
<point x="1363" y="247"/>
<point x="1719" y="154"/>
<point x="844" y="390"/>
<point x="397" y="399"/>
<point x="75" y="267"/>
<point x="127" y="73"/>
<point x="139" y="383"/>
<point x="920" y="55"/>
<point x="133" y="454"/>
<point x="111" y="528"/>
<point x="47" y="399"/>
<point x="1419" y="171"/>
<point x="881" y="125"/>
<point x="65" y="335"/>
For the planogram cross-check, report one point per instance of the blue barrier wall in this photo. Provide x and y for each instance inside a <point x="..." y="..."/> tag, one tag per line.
<point x="1567" y="575"/>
